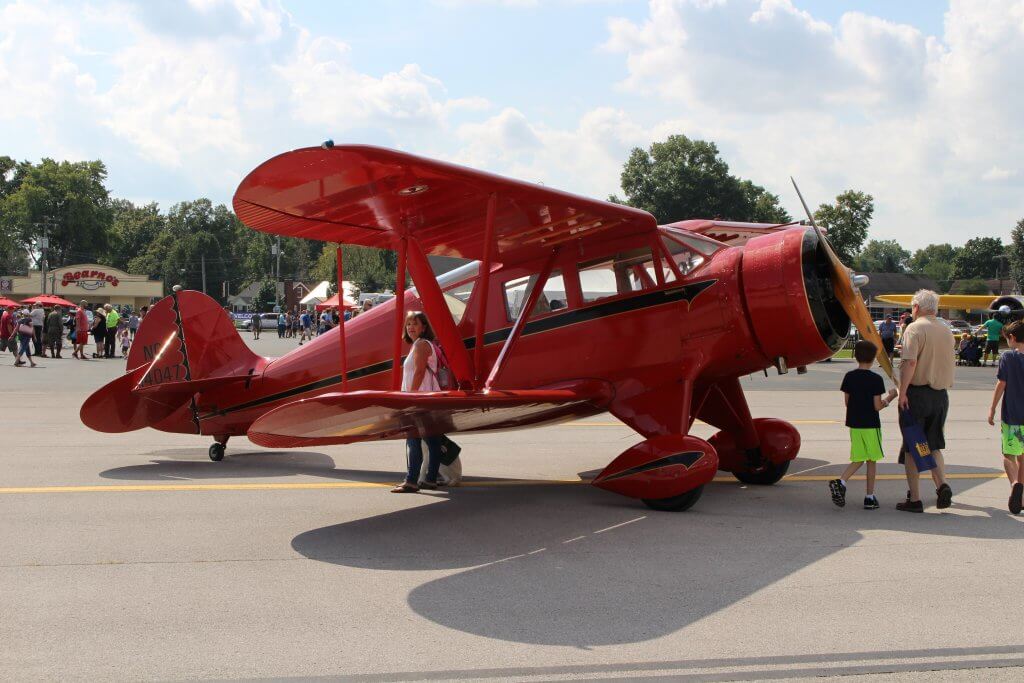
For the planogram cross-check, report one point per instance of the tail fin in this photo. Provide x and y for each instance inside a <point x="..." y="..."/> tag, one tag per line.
<point x="185" y="344"/>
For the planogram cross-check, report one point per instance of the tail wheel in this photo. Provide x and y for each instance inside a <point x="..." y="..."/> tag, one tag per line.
<point x="680" y="503"/>
<point x="217" y="452"/>
<point x="766" y="476"/>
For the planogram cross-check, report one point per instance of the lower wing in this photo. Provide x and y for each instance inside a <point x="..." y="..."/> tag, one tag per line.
<point x="339" y="418"/>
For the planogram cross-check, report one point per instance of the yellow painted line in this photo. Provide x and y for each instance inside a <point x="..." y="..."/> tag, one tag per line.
<point x="622" y="424"/>
<point x="493" y="483"/>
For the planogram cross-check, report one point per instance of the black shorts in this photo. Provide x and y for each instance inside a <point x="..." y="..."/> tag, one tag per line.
<point x="889" y="344"/>
<point x="930" y="408"/>
<point x="992" y="346"/>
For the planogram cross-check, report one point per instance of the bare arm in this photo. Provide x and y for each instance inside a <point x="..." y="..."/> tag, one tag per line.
<point x="996" y="396"/>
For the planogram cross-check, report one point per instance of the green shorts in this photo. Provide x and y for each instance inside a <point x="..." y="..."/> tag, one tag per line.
<point x="865" y="444"/>
<point x="1013" y="440"/>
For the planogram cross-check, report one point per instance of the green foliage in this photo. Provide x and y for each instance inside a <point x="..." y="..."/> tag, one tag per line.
<point x="682" y="178"/>
<point x="978" y="258"/>
<point x="970" y="286"/>
<point x="847" y="222"/>
<point x="266" y="297"/>
<point x="883" y="256"/>
<point x="372" y="270"/>
<point x="1016" y="253"/>
<point x="133" y="229"/>
<point x="69" y="196"/>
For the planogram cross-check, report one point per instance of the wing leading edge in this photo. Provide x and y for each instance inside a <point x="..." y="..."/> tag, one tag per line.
<point x="356" y="194"/>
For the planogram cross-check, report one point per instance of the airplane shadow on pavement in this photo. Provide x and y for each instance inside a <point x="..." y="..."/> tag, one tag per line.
<point x="574" y="566"/>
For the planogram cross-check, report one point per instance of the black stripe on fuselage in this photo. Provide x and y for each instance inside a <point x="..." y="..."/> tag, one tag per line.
<point x="686" y="293"/>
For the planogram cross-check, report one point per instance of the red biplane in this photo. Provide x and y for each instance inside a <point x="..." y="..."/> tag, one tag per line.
<point x="570" y="307"/>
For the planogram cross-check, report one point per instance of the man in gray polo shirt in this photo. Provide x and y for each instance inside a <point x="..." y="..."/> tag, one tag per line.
<point x="926" y="375"/>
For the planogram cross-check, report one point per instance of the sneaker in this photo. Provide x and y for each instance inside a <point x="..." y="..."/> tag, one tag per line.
<point x="838" y="492"/>
<point x="870" y="503"/>
<point x="1016" y="494"/>
<point x="910" y="506"/>
<point x="944" y="497"/>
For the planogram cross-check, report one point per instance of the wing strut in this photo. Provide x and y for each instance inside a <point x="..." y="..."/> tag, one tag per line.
<point x="438" y="312"/>
<point x="396" y="355"/>
<point x="531" y="301"/>
<point x="341" y="322"/>
<point x="485" y="288"/>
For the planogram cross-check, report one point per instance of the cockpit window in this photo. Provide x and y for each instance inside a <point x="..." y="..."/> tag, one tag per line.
<point x="624" y="272"/>
<point x="552" y="297"/>
<point x="687" y="251"/>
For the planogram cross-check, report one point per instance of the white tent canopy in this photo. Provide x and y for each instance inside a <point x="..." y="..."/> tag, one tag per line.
<point x="322" y="292"/>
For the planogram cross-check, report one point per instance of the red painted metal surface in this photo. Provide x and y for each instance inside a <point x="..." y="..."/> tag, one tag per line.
<point x="778" y="441"/>
<point x="664" y="347"/>
<point x="374" y="415"/>
<point x="662" y="467"/>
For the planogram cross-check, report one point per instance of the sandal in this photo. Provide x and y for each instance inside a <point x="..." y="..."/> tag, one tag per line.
<point x="405" y="487"/>
<point x="428" y="485"/>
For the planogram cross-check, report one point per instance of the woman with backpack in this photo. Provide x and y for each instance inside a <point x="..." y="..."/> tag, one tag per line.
<point x="419" y="373"/>
<point x="26" y="334"/>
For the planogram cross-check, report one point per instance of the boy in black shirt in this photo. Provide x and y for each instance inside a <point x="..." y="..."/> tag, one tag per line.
<point x="863" y="390"/>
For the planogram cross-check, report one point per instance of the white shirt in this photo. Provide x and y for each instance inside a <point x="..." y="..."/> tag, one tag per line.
<point x="38" y="316"/>
<point x="429" y="382"/>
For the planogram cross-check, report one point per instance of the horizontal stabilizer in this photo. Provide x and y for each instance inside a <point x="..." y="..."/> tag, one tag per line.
<point x="339" y="418"/>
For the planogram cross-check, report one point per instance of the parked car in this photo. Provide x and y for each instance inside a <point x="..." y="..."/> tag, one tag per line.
<point x="269" y="320"/>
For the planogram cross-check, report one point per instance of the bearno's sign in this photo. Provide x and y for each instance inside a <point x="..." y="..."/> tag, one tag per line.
<point x="88" y="279"/>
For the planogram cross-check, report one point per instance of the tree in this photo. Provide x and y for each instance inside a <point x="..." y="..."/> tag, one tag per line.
<point x="266" y="297"/>
<point x="683" y="178"/>
<point x="978" y="258"/>
<point x="935" y="261"/>
<point x="1016" y="253"/>
<point x="70" y="197"/>
<point x="883" y="256"/>
<point x="847" y="222"/>
<point x="970" y="286"/>
<point x="133" y="229"/>
<point x="372" y="270"/>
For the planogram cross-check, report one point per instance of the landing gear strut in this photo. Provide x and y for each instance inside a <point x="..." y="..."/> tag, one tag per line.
<point x="217" y="449"/>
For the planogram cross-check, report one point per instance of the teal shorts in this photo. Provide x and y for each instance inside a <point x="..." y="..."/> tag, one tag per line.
<point x="866" y="444"/>
<point x="1013" y="440"/>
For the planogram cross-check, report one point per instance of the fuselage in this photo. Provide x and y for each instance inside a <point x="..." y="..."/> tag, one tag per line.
<point x="616" y="312"/>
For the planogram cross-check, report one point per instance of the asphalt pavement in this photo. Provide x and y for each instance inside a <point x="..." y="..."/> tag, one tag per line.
<point x="134" y="556"/>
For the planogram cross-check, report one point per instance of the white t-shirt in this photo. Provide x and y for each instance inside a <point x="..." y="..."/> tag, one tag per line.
<point x="38" y="316"/>
<point x="429" y="382"/>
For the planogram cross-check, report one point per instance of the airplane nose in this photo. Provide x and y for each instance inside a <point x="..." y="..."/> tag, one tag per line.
<point x="787" y="284"/>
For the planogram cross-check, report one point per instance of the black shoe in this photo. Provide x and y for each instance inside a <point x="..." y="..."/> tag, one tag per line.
<point x="870" y="503"/>
<point x="910" y="506"/>
<point x="1016" y="494"/>
<point x="945" y="497"/>
<point x="838" y="492"/>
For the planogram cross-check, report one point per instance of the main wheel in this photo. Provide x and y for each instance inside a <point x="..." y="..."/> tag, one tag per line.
<point x="765" y="477"/>
<point x="683" y="501"/>
<point x="216" y="452"/>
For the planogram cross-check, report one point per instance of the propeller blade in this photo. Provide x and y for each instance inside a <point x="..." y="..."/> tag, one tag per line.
<point x="848" y="297"/>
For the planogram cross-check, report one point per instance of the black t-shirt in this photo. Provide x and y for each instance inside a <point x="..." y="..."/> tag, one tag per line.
<point x="862" y="386"/>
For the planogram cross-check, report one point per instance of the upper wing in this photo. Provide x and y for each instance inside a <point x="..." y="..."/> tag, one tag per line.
<point x="963" y="302"/>
<point x="339" y="418"/>
<point x="372" y="196"/>
<point x="733" y="233"/>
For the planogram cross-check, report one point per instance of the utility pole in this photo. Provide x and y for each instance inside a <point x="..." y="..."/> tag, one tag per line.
<point x="276" y="250"/>
<point x="44" y="245"/>
<point x="202" y="260"/>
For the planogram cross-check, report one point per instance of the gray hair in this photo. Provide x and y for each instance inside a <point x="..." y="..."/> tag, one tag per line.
<point x="926" y="300"/>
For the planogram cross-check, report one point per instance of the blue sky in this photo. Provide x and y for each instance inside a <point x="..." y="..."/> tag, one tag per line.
<point x="914" y="101"/>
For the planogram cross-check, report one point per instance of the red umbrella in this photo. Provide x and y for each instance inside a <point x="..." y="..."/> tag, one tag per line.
<point x="5" y="302"/>
<point x="333" y="303"/>
<point x="49" y="300"/>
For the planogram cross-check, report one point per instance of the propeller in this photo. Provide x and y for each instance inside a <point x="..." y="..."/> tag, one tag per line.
<point x="846" y="284"/>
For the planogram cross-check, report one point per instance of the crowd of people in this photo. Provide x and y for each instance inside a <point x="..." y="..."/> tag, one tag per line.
<point x="38" y="332"/>
<point x="928" y="360"/>
<point x="305" y="324"/>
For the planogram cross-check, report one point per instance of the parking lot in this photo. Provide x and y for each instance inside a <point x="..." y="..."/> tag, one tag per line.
<point x="134" y="556"/>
